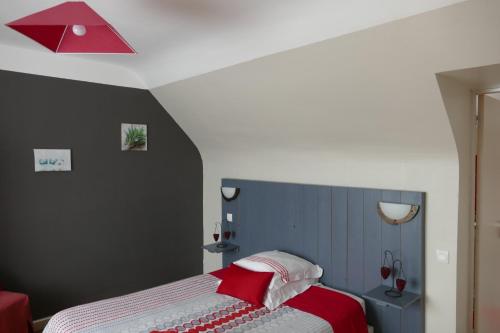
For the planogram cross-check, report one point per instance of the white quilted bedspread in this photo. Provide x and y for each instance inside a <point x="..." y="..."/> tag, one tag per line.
<point x="189" y="305"/>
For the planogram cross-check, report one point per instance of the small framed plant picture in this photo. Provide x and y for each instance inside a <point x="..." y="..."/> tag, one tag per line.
<point x="134" y="137"/>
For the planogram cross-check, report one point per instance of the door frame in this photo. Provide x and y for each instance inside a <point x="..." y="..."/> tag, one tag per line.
<point x="478" y="103"/>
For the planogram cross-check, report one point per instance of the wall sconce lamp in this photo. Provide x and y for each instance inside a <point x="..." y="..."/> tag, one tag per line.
<point x="395" y="213"/>
<point x="229" y="193"/>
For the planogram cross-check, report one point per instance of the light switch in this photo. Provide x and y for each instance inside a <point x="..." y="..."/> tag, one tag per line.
<point x="229" y="217"/>
<point x="443" y="256"/>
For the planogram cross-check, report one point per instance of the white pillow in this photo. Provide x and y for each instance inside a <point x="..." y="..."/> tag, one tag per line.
<point x="275" y="298"/>
<point x="287" y="268"/>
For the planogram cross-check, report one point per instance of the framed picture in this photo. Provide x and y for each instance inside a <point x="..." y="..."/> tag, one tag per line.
<point x="52" y="160"/>
<point x="134" y="137"/>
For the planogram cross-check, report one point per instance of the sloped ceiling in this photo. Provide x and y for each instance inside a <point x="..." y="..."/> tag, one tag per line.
<point x="178" y="39"/>
<point x="372" y="92"/>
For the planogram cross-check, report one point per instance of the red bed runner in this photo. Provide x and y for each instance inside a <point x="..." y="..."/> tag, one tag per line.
<point x="344" y="313"/>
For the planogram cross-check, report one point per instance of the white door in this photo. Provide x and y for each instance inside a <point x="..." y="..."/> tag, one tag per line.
<point x="487" y="314"/>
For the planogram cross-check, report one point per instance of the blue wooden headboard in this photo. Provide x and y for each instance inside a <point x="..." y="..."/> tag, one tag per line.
<point x="336" y="227"/>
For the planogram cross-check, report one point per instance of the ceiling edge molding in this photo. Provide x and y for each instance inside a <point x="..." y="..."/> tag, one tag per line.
<point x="67" y="67"/>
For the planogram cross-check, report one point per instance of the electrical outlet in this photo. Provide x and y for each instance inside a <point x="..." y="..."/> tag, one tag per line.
<point x="229" y="217"/>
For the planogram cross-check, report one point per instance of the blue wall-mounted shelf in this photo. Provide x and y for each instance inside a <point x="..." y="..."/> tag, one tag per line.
<point x="378" y="295"/>
<point x="213" y="248"/>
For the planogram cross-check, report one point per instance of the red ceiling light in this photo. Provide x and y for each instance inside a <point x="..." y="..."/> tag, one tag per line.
<point x="72" y="27"/>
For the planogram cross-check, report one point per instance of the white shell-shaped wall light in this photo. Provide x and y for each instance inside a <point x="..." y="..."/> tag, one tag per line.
<point x="229" y="193"/>
<point x="395" y="213"/>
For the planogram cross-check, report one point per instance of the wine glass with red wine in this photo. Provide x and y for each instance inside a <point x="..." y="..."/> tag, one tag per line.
<point x="401" y="280"/>
<point x="386" y="269"/>
<point x="216" y="233"/>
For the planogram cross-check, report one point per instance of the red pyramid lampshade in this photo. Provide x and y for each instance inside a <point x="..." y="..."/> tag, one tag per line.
<point x="72" y="27"/>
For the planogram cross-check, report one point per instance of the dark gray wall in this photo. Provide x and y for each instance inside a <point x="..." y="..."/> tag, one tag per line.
<point x="120" y="221"/>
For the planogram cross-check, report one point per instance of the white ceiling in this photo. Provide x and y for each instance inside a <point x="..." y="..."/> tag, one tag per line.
<point x="178" y="39"/>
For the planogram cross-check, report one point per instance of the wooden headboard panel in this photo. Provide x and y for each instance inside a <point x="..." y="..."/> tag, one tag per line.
<point x="336" y="227"/>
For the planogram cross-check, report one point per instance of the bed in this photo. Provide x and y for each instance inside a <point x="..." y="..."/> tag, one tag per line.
<point x="193" y="305"/>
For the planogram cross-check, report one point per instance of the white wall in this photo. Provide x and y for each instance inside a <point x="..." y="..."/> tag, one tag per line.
<point x="359" y="110"/>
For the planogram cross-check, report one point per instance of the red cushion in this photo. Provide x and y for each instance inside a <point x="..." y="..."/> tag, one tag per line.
<point x="246" y="285"/>
<point x="219" y="273"/>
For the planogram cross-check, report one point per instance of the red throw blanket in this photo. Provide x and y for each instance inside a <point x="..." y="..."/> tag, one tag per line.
<point x="15" y="313"/>
<point x="344" y="313"/>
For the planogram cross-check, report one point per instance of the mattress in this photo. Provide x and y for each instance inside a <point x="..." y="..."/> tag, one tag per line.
<point x="189" y="305"/>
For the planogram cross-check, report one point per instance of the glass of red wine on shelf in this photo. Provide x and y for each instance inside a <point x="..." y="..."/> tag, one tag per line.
<point x="386" y="269"/>
<point x="217" y="233"/>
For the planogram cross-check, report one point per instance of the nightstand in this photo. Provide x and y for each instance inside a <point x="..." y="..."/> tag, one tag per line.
<point x="384" y="313"/>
